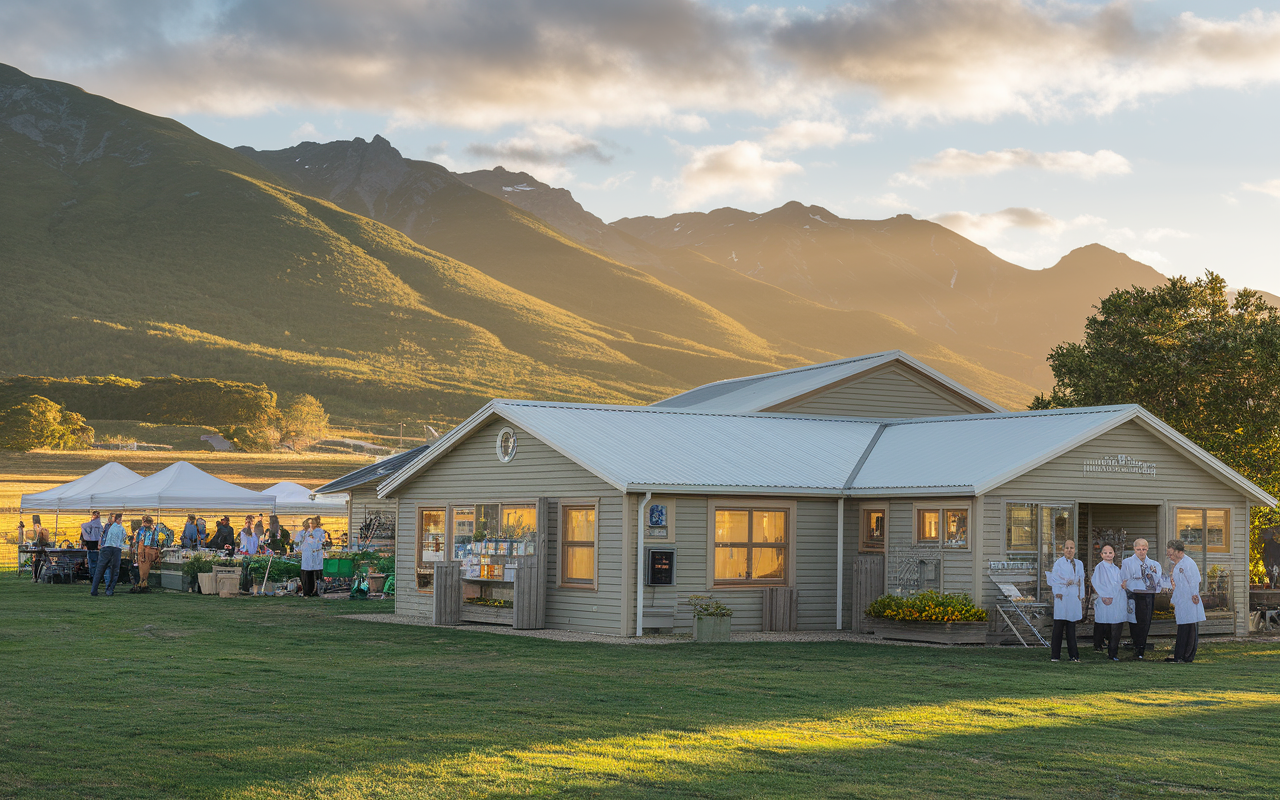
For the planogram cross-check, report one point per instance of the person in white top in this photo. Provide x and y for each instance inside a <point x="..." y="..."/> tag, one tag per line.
<point x="1110" y="607"/>
<point x="310" y="545"/>
<point x="1187" y="607"/>
<point x="248" y="539"/>
<point x="1067" y="582"/>
<point x="1141" y="577"/>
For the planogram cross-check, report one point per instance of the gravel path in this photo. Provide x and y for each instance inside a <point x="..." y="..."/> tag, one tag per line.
<point x="661" y="638"/>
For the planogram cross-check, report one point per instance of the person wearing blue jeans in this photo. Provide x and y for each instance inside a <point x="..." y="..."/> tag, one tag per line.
<point x="109" y="557"/>
<point x="91" y="539"/>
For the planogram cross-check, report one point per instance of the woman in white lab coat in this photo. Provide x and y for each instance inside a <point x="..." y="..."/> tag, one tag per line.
<point x="1110" y="606"/>
<point x="310" y="544"/>
<point x="1187" y="606"/>
<point x="1067" y="583"/>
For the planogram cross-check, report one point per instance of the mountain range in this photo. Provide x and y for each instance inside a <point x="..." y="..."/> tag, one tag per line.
<point x="391" y="287"/>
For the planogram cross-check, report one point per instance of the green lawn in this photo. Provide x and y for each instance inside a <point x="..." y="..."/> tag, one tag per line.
<point x="169" y="695"/>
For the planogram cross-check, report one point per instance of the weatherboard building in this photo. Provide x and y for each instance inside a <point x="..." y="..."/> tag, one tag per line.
<point x="795" y="498"/>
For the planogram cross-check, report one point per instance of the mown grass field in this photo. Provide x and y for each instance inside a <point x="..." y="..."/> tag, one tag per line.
<point x="24" y="473"/>
<point x="173" y="695"/>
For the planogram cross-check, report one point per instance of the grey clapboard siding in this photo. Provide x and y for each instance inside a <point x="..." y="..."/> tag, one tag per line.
<point x="472" y="472"/>
<point x="1178" y="482"/>
<point x="885" y="393"/>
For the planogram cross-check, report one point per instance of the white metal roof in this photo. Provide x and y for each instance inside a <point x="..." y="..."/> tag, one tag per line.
<point x="759" y="392"/>
<point x="969" y="453"/>
<point x="638" y="448"/>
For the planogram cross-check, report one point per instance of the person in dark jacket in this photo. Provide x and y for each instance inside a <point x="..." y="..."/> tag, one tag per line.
<point x="224" y="536"/>
<point x="190" y="533"/>
<point x="279" y="540"/>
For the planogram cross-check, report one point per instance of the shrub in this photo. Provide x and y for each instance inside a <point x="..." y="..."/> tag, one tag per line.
<point x="704" y="606"/>
<point x="930" y="606"/>
<point x="39" y="422"/>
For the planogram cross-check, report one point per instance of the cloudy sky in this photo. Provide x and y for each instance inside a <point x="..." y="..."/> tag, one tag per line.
<point x="1030" y="127"/>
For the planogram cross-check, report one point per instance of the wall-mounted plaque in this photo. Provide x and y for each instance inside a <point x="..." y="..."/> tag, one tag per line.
<point x="655" y="533"/>
<point x="662" y="567"/>
<point x="657" y="516"/>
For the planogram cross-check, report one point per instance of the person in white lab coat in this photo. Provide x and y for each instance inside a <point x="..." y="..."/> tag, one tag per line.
<point x="1110" y="608"/>
<point x="1141" y="576"/>
<point x="310" y="544"/>
<point x="1187" y="606"/>
<point x="1067" y="583"/>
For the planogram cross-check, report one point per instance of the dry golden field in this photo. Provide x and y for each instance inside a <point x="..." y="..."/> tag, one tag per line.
<point x="24" y="473"/>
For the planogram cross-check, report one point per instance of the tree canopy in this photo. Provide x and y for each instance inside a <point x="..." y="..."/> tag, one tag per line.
<point x="1206" y="365"/>
<point x="39" y="422"/>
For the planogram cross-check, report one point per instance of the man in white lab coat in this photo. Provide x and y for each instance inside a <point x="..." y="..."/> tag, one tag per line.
<point x="1141" y="577"/>
<point x="1187" y="607"/>
<point x="1067" y="582"/>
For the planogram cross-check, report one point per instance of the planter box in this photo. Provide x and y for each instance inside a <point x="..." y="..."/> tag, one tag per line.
<point x="497" y="616"/>
<point x="935" y="632"/>
<point x="377" y="581"/>
<point x="208" y="583"/>
<point x="711" y="629"/>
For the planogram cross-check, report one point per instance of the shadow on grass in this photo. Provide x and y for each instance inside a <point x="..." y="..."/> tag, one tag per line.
<point x="179" y="695"/>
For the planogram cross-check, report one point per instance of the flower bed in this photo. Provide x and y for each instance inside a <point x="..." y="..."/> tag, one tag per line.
<point x="930" y="606"/>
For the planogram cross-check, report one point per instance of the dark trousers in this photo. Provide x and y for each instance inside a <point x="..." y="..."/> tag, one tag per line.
<point x="1144" y="605"/>
<point x="92" y="547"/>
<point x="108" y="567"/>
<point x="1184" y="648"/>
<point x="1112" y="632"/>
<point x="310" y="577"/>
<point x="1069" y="627"/>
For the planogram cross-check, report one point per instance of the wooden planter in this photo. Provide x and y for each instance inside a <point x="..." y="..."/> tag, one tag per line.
<point x="711" y="629"/>
<point x="207" y="583"/>
<point x="471" y="612"/>
<point x="935" y="632"/>
<point x="377" y="582"/>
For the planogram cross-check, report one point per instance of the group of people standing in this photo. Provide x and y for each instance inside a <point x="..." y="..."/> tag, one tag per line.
<point x="1125" y="593"/>
<point x="106" y="543"/>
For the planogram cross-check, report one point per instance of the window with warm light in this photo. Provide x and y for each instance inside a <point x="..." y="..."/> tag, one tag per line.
<point x="431" y="545"/>
<point x="578" y="546"/>
<point x="872" y="535"/>
<point x="1205" y="528"/>
<point x="750" y="547"/>
<point x="946" y="526"/>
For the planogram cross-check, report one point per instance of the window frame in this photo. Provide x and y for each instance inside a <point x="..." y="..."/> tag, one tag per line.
<point x="864" y="545"/>
<point x="918" y="510"/>
<point x="563" y="507"/>
<point x="463" y="504"/>
<point x="420" y="567"/>
<point x="750" y="504"/>
<point x="1204" y="527"/>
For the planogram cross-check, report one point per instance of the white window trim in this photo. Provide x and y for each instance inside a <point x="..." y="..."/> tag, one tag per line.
<point x="418" y="508"/>
<point x="573" y="503"/>
<point x="755" y="504"/>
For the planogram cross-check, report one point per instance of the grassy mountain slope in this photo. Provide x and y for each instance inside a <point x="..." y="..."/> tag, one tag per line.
<point x="946" y="287"/>
<point x="136" y="247"/>
<point x="655" y="323"/>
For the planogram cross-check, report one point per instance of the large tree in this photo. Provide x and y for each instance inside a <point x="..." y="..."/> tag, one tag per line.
<point x="1206" y="365"/>
<point x="39" y="422"/>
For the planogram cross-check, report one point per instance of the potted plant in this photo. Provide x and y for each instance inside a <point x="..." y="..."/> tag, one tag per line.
<point x="929" y="617"/>
<point x="199" y="564"/>
<point x="711" y="619"/>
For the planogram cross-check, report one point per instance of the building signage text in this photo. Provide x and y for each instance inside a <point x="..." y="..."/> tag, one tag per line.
<point x="1119" y="463"/>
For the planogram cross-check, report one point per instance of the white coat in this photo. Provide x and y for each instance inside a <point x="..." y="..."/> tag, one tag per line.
<point x="1106" y="582"/>
<point x="311" y="545"/>
<point x="1068" y="581"/>
<point x="1185" y="576"/>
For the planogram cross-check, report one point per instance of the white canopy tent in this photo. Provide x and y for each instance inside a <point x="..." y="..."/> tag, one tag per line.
<point x="74" y="496"/>
<point x="294" y="498"/>
<point x="183" y="486"/>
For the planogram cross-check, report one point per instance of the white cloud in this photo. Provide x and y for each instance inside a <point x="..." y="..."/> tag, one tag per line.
<point x="541" y="145"/>
<point x="1148" y="257"/>
<point x="306" y="132"/>
<point x="802" y="134"/>
<point x="953" y="163"/>
<point x="906" y="179"/>
<point x="891" y="200"/>
<point x="610" y="183"/>
<point x="740" y="169"/>
<point x="670" y="63"/>
<point x="1271" y="187"/>
<point x="1156" y="234"/>
<point x="993" y="224"/>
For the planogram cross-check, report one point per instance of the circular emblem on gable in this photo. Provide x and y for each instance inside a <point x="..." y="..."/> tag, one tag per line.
<point x="506" y="444"/>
